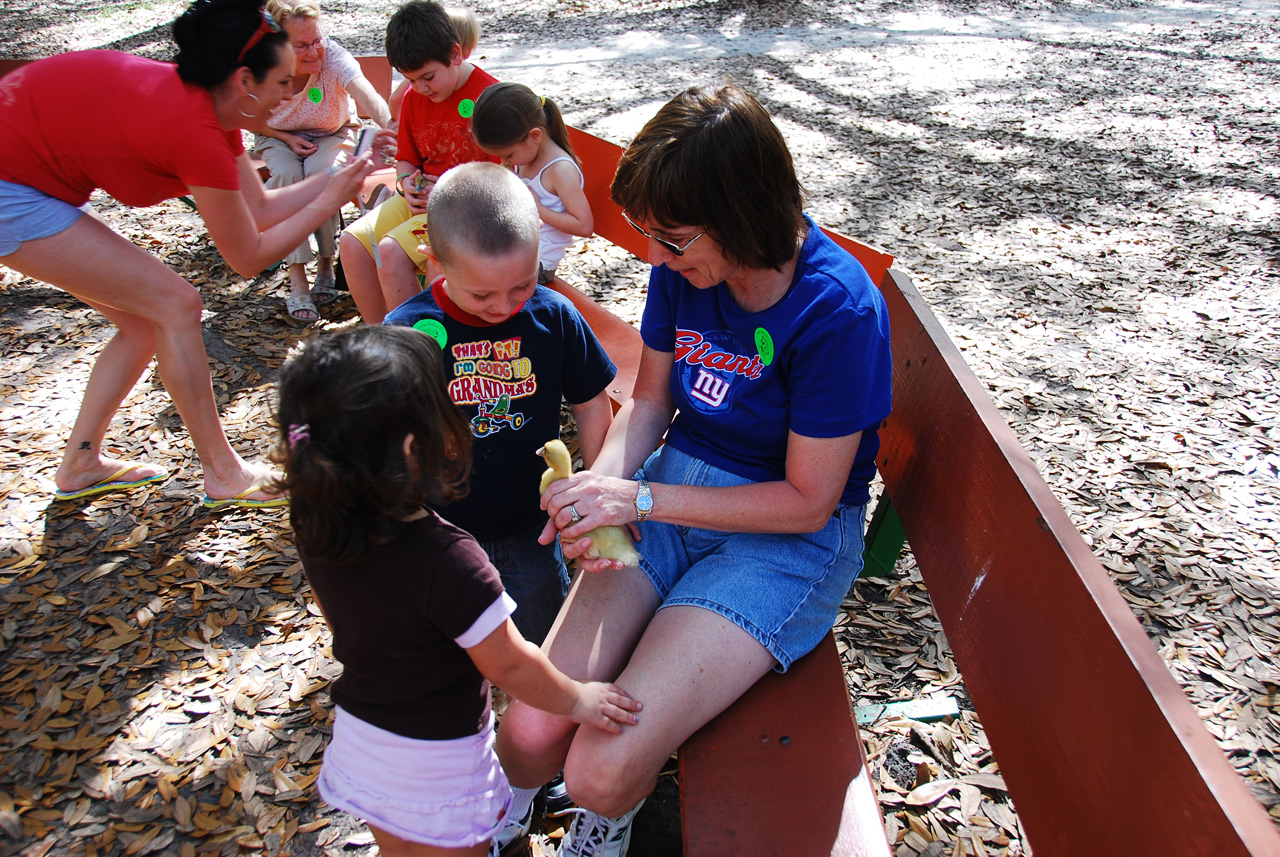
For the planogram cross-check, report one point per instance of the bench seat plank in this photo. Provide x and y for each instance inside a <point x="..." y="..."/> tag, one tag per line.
<point x="782" y="771"/>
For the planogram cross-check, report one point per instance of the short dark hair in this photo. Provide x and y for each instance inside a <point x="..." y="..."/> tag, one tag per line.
<point x="420" y="32"/>
<point x="346" y="403"/>
<point x="211" y="36"/>
<point x="482" y="209"/>
<point x="715" y="160"/>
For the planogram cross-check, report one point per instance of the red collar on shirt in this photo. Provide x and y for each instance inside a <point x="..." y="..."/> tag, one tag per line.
<point x="454" y="312"/>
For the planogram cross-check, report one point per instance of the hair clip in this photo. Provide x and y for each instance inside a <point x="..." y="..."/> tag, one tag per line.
<point x="298" y="434"/>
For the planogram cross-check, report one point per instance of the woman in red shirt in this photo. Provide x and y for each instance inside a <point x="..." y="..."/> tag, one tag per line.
<point x="146" y="131"/>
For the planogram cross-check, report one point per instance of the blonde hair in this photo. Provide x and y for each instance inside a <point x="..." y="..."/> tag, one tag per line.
<point x="468" y="27"/>
<point x="283" y="10"/>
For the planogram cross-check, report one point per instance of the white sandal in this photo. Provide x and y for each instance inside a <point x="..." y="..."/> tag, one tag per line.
<point x="296" y="304"/>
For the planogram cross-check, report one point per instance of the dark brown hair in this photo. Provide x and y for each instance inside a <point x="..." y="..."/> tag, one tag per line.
<point x="506" y="112"/>
<point x="210" y="35"/>
<point x="420" y="32"/>
<point x="716" y="161"/>
<point x="346" y="403"/>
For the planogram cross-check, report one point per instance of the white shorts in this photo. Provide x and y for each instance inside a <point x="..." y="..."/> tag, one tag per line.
<point x="450" y="794"/>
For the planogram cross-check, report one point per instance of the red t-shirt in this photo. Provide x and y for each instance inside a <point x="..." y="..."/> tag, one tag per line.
<point x="438" y="136"/>
<point x="101" y="119"/>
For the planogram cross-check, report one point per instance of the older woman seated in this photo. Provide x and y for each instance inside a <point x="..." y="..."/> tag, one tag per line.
<point x="307" y="132"/>
<point x="766" y="365"/>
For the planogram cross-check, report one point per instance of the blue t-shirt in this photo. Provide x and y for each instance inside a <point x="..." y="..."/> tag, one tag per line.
<point x="509" y="378"/>
<point x="817" y="363"/>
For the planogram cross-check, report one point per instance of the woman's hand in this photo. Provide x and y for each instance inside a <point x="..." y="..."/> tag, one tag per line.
<point x="604" y="706"/>
<point x="299" y="145"/>
<point x="599" y="501"/>
<point x="384" y="144"/>
<point x="345" y="182"/>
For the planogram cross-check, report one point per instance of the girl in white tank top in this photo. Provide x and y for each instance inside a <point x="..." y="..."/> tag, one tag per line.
<point x="528" y="133"/>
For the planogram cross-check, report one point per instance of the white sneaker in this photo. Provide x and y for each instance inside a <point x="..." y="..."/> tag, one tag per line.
<point x="512" y="837"/>
<point x="593" y="835"/>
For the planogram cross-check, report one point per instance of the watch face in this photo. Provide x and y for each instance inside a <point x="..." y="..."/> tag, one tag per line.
<point x="644" y="499"/>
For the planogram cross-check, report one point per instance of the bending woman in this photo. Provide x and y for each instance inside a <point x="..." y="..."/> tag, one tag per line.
<point x="772" y="345"/>
<point x="146" y="131"/>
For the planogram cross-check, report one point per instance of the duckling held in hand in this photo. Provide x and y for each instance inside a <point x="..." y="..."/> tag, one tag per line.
<point x="606" y="542"/>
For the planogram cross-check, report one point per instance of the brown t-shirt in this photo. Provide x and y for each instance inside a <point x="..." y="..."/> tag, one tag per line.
<point x="396" y="616"/>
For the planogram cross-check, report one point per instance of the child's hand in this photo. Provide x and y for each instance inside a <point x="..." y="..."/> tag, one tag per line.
<point x="417" y="188"/>
<point x="604" y="706"/>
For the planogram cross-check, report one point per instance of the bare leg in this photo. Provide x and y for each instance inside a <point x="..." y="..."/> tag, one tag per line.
<point x="362" y="279"/>
<point x="136" y="290"/>
<point x="398" y="274"/>
<point x="690" y="665"/>
<point x="114" y="374"/>
<point x="393" y="846"/>
<point x="593" y="636"/>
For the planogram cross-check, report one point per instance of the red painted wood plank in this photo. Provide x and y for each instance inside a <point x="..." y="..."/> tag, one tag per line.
<point x="782" y="771"/>
<point x="1101" y="750"/>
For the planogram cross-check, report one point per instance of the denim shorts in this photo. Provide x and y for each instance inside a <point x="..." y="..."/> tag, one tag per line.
<point x="534" y="576"/>
<point x="784" y="589"/>
<point x="27" y="214"/>
<point x="450" y="794"/>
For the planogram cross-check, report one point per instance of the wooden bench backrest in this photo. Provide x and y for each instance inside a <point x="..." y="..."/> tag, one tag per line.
<point x="1100" y="748"/>
<point x="378" y="72"/>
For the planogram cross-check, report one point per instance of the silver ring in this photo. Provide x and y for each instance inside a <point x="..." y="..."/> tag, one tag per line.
<point x="573" y="513"/>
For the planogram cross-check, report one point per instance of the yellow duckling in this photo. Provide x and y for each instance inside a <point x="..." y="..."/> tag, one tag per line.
<point x="606" y="542"/>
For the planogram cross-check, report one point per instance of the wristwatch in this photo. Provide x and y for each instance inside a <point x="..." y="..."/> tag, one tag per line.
<point x="644" y="500"/>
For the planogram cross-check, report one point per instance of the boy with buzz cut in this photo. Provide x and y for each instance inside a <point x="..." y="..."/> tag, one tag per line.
<point x="381" y="256"/>
<point x="513" y="350"/>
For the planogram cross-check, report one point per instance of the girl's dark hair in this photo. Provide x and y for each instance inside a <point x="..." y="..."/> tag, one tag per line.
<point x="346" y="403"/>
<point x="506" y="112"/>
<point x="716" y="161"/>
<point x="211" y="34"/>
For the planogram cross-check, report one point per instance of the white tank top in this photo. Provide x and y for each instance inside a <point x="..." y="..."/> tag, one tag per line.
<point x="551" y="241"/>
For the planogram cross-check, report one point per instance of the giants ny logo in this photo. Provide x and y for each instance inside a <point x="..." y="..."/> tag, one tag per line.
<point x="710" y="389"/>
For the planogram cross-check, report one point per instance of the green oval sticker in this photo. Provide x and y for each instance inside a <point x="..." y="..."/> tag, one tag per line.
<point x="315" y="94"/>
<point x="466" y="107"/>
<point x="764" y="345"/>
<point x="433" y="328"/>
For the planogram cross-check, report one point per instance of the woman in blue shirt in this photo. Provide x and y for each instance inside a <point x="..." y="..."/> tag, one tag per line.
<point x="766" y="366"/>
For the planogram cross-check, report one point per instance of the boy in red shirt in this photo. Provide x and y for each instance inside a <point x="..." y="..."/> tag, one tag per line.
<point x="380" y="254"/>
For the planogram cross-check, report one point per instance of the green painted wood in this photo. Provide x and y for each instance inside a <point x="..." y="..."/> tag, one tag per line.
<point x="884" y="541"/>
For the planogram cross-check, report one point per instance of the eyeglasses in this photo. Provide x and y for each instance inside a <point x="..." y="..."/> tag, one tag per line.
<point x="303" y="47"/>
<point x="673" y="249"/>
<point x="266" y="25"/>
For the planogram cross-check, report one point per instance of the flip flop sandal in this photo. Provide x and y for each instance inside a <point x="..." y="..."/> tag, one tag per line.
<point x="323" y="292"/>
<point x="112" y="483"/>
<point x="296" y="304"/>
<point x="242" y="501"/>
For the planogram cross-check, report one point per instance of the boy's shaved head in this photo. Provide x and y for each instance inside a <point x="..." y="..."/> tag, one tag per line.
<point x="481" y="208"/>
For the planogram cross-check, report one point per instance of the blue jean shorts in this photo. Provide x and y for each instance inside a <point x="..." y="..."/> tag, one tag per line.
<point x="534" y="576"/>
<point x="27" y="214"/>
<point x="784" y="589"/>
